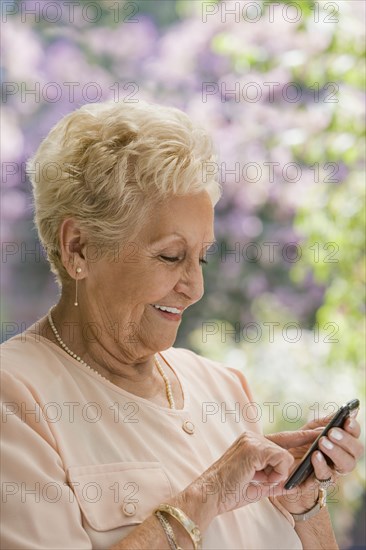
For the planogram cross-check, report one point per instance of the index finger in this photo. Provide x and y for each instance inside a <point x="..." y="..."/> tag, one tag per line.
<point x="352" y="426"/>
<point x="281" y="462"/>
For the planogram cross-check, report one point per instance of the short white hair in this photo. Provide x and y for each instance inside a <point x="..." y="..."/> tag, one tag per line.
<point x="108" y="164"/>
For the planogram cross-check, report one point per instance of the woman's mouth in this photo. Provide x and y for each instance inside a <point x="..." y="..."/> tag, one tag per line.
<point x="172" y="316"/>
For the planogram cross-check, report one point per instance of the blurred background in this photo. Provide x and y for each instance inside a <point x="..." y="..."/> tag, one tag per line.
<point x="280" y="87"/>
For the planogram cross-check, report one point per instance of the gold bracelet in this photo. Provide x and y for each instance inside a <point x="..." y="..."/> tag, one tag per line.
<point x="191" y="528"/>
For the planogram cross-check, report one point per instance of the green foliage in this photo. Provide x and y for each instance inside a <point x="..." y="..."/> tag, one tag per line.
<point x="342" y="225"/>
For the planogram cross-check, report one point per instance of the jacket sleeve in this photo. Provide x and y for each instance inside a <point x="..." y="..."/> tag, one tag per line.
<point x="38" y="509"/>
<point x="249" y="394"/>
<point x="253" y="412"/>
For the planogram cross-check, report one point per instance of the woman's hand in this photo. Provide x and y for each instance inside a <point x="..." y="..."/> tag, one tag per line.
<point x="247" y="472"/>
<point x="341" y="445"/>
<point x="345" y="449"/>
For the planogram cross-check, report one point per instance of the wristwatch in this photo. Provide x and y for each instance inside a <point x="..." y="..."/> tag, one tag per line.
<point x="320" y="503"/>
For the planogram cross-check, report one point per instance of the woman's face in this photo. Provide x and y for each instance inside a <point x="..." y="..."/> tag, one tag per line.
<point x="162" y="266"/>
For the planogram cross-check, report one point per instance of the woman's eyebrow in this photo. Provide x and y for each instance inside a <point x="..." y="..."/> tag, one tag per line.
<point x="176" y="234"/>
<point x="206" y="245"/>
<point x="170" y="236"/>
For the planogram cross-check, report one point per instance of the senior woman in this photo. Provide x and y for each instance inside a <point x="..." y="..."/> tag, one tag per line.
<point x="105" y="444"/>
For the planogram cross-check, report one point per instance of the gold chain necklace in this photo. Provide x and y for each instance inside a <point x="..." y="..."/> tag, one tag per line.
<point x="168" y="387"/>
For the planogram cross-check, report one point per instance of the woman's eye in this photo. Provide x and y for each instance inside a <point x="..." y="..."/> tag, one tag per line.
<point x="170" y="258"/>
<point x="173" y="259"/>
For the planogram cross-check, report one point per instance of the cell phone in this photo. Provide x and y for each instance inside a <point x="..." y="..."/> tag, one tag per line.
<point x="305" y="468"/>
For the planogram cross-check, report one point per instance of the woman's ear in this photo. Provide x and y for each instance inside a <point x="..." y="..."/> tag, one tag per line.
<point x="73" y="248"/>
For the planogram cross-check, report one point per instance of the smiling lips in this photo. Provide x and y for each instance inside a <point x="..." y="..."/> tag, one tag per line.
<point x="169" y="309"/>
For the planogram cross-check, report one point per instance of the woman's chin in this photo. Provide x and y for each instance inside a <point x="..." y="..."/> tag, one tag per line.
<point x="166" y="342"/>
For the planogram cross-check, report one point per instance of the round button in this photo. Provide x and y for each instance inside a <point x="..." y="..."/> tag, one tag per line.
<point x="129" y="508"/>
<point x="188" y="427"/>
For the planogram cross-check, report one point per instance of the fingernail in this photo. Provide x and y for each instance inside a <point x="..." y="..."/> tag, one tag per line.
<point x="352" y="424"/>
<point x="336" y="434"/>
<point x="319" y="457"/>
<point x="327" y="444"/>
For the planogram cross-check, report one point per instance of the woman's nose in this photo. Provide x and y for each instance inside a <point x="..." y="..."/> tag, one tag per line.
<point x="191" y="282"/>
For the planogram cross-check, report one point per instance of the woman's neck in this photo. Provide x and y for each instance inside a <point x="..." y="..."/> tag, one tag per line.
<point x="138" y="376"/>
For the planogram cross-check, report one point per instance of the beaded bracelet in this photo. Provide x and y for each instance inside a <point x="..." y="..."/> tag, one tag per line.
<point x="168" y="531"/>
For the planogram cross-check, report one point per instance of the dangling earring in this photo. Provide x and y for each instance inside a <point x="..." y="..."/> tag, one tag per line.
<point x="76" y="303"/>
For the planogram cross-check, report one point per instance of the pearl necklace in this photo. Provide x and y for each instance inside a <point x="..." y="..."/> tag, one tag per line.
<point x="168" y="387"/>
